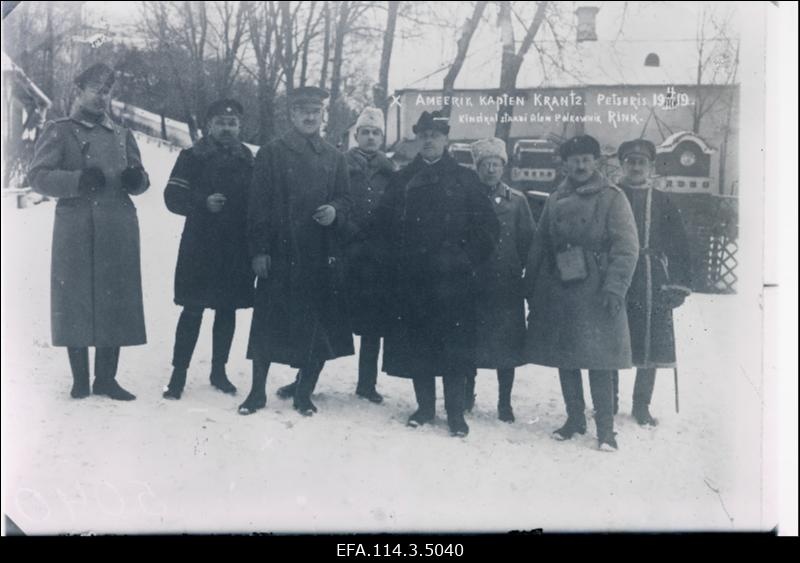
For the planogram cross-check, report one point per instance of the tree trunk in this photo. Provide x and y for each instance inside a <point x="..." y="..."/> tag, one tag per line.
<point x="448" y="85"/>
<point x="508" y="61"/>
<point x="511" y="63"/>
<point x="381" y="92"/>
<point x="338" y="50"/>
<point x="266" y="107"/>
<point x="326" y="47"/>
<point x="49" y="78"/>
<point x="287" y="55"/>
<point x="306" y="44"/>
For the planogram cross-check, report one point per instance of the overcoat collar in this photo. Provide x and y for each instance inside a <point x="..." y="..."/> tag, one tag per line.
<point x="647" y="185"/>
<point x="501" y="189"/>
<point x="79" y="116"/>
<point x="376" y="161"/>
<point x="595" y="184"/>
<point x="422" y="173"/>
<point x="207" y="146"/>
<point x="300" y="143"/>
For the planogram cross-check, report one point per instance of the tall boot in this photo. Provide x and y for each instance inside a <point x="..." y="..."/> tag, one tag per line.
<point x="186" y="334"/>
<point x="505" y="382"/>
<point x="454" y="388"/>
<point x="615" y="384"/>
<point x="224" y="327"/>
<point x="309" y="375"/>
<point x="106" y="360"/>
<point x="368" y="368"/>
<point x="600" y="383"/>
<point x="469" y="391"/>
<point x="257" y="398"/>
<point x="425" y="392"/>
<point x="177" y="382"/>
<point x="79" y="364"/>
<point x="642" y="394"/>
<point x="572" y="390"/>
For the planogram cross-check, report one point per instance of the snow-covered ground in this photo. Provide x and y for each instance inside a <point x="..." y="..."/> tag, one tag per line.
<point x="153" y="465"/>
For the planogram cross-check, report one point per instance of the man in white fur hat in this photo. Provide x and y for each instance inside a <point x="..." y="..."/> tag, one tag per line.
<point x="368" y="271"/>
<point x="500" y="303"/>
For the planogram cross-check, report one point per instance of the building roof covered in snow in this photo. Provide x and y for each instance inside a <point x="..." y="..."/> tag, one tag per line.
<point x="24" y="88"/>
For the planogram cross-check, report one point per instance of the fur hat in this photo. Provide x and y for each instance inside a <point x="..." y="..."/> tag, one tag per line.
<point x="489" y="147"/>
<point x="581" y="144"/>
<point x="370" y="117"/>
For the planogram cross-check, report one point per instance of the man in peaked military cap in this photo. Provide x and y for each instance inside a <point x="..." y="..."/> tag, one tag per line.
<point x="662" y="279"/>
<point x="438" y="227"/>
<point x="208" y="186"/>
<point x="308" y="96"/>
<point x="98" y="75"/>
<point x="224" y="107"/>
<point x="579" y="269"/>
<point x="93" y="166"/>
<point x="299" y="200"/>
<point x="368" y="274"/>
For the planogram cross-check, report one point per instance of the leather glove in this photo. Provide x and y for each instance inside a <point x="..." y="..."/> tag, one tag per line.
<point x="92" y="180"/>
<point x="131" y="178"/>
<point x="673" y="297"/>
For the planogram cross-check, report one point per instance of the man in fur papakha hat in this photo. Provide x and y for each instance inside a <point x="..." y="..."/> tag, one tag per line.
<point x="368" y="271"/>
<point x="579" y="270"/>
<point x="501" y="301"/>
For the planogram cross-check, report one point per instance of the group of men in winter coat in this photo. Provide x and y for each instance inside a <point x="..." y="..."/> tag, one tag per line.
<point x="435" y="260"/>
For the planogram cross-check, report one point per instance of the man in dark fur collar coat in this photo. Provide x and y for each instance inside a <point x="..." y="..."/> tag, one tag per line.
<point x="438" y="227"/>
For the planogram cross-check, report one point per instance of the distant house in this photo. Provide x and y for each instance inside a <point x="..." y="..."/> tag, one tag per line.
<point x="25" y="109"/>
<point x="613" y="91"/>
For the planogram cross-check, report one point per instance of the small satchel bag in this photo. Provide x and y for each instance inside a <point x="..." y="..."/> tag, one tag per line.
<point x="571" y="264"/>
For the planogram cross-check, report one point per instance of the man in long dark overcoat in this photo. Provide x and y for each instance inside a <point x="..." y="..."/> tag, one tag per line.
<point x="662" y="279"/>
<point x="367" y="272"/>
<point x="209" y="185"/>
<point x="579" y="269"/>
<point x="299" y="200"/>
<point x="93" y="166"/>
<point x="439" y="227"/>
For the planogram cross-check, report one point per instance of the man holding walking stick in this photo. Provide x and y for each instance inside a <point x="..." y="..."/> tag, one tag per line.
<point x="662" y="279"/>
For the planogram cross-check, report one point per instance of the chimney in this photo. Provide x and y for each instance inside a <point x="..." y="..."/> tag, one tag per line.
<point x="587" y="25"/>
